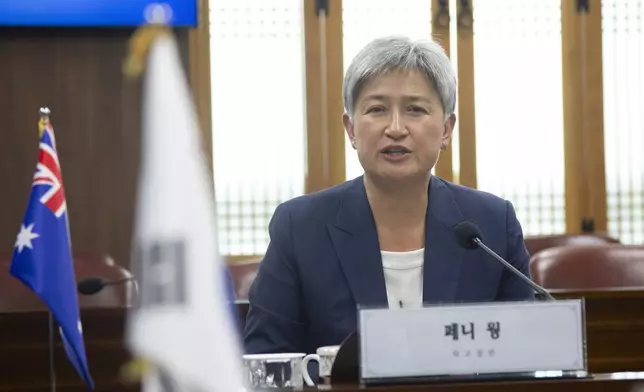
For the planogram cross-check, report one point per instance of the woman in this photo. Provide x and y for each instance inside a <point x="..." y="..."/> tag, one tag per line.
<point x="385" y="238"/>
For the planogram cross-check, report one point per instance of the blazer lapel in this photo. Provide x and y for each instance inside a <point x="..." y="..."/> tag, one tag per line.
<point x="443" y="255"/>
<point x="355" y="240"/>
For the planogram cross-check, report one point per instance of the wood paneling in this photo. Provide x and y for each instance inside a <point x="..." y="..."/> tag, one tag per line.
<point x="583" y="117"/>
<point x="614" y="320"/>
<point x="324" y="130"/>
<point x="24" y="356"/>
<point x="440" y="33"/>
<point x="466" y="107"/>
<point x="199" y="72"/>
<point x="77" y="73"/>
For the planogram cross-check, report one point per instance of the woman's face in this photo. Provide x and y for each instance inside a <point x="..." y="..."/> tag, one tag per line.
<point x="399" y="126"/>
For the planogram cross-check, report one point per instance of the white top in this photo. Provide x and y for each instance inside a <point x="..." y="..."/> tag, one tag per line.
<point x="404" y="278"/>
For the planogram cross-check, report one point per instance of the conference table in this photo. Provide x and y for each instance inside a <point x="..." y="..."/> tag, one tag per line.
<point x="615" y="343"/>
<point x="600" y="383"/>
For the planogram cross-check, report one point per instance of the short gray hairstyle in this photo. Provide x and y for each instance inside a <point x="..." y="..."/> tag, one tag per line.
<point x="392" y="53"/>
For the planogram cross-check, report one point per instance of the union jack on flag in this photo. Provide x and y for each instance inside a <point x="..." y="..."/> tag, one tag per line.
<point x="42" y="256"/>
<point x="48" y="173"/>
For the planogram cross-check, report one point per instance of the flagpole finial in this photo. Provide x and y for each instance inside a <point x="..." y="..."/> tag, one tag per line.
<point x="44" y="113"/>
<point x="158" y="14"/>
<point x="157" y="19"/>
<point x="44" y="120"/>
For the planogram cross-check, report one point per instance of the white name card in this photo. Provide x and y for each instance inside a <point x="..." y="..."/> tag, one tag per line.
<point x="472" y="339"/>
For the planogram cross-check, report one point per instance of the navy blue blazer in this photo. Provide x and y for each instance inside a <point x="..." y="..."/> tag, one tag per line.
<point x="324" y="260"/>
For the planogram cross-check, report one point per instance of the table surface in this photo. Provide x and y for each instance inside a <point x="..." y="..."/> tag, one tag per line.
<point x="609" y="382"/>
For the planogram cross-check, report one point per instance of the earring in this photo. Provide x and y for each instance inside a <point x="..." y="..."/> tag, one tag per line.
<point x="443" y="146"/>
<point x="353" y="143"/>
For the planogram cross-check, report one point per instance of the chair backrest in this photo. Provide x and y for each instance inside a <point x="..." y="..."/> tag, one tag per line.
<point x="243" y="274"/>
<point x="15" y="296"/>
<point x="538" y="243"/>
<point x="589" y="266"/>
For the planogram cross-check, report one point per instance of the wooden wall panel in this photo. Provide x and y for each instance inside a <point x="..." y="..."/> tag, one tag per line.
<point x="466" y="97"/>
<point x="324" y="108"/>
<point x="199" y="72"/>
<point x="440" y="33"/>
<point x="583" y="117"/>
<point x="96" y="117"/>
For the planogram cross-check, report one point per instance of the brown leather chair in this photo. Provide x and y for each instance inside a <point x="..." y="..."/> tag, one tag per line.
<point x="541" y="242"/>
<point x="243" y="274"/>
<point x="15" y="296"/>
<point x="588" y="267"/>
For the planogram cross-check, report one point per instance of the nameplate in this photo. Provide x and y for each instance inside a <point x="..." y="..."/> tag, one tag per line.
<point x="472" y="339"/>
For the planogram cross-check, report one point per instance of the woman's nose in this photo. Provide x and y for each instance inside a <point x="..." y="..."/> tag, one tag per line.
<point x="396" y="127"/>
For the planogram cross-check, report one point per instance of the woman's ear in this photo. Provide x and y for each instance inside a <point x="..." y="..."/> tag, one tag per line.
<point x="348" y="128"/>
<point x="448" y="130"/>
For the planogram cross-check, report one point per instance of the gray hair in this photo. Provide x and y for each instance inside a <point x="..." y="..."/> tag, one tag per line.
<point x="392" y="53"/>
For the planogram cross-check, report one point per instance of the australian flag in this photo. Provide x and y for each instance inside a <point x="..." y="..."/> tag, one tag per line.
<point x="42" y="257"/>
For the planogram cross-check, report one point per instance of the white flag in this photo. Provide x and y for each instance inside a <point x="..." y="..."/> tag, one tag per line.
<point x="182" y="323"/>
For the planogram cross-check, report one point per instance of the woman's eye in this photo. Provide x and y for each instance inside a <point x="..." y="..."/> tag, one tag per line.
<point x="418" y="109"/>
<point x="375" y="109"/>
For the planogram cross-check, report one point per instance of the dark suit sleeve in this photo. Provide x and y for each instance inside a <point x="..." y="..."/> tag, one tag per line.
<point x="512" y="287"/>
<point x="274" y="322"/>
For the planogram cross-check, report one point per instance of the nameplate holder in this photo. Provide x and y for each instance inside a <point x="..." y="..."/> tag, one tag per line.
<point x="500" y="340"/>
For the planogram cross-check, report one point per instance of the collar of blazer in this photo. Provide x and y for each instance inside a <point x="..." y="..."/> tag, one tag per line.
<point x="354" y="237"/>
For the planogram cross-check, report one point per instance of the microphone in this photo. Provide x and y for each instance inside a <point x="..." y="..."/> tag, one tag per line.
<point x="93" y="285"/>
<point x="469" y="236"/>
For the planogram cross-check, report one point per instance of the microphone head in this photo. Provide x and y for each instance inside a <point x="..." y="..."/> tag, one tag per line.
<point x="465" y="233"/>
<point x="91" y="286"/>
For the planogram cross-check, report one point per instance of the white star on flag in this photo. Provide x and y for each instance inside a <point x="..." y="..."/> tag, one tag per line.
<point x="80" y="329"/>
<point x="25" y="236"/>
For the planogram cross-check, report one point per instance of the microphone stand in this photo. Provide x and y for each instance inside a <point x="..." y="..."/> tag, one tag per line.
<point x="535" y="286"/>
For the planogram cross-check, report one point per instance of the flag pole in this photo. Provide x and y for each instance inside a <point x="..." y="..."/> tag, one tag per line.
<point x="140" y="369"/>
<point x="52" y="370"/>
<point x="44" y="119"/>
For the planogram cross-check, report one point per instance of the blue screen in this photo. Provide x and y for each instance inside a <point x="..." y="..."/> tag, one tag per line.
<point x="90" y="12"/>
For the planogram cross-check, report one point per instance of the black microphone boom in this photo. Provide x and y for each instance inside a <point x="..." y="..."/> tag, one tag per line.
<point x="469" y="236"/>
<point x="93" y="285"/>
